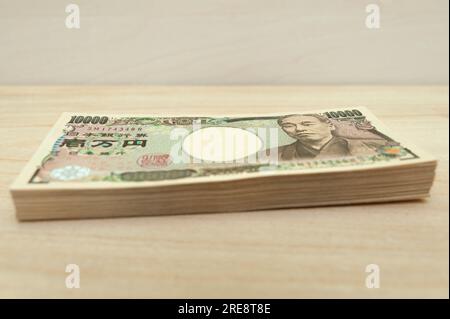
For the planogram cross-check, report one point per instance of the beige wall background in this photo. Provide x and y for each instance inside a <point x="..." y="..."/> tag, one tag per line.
<point x="224" y="42"/>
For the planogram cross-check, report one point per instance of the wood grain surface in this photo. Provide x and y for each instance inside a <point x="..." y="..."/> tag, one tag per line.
<point x="295" y="253"/>
<point x="216" y="42"/>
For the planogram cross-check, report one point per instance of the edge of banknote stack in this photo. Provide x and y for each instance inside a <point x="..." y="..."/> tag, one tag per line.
<point x="251" y="189"/>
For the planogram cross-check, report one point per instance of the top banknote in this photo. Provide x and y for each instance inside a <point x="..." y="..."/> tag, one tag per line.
<point x="118" y="148"/>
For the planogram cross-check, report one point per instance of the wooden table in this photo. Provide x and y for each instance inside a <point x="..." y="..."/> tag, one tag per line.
<point x="295" y="253"/>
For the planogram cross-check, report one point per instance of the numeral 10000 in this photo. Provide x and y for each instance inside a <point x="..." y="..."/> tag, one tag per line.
<point x="347" y="113"/>
<point x="88" y="119"/>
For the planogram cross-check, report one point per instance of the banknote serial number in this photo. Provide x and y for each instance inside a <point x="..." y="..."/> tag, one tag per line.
<point x="78" y="119"/>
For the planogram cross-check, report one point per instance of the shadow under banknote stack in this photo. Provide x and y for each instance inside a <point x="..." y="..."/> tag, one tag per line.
<point x="101" y="165"/>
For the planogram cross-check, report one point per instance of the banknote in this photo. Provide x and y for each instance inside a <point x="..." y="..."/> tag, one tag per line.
<point x="91" y="148"/>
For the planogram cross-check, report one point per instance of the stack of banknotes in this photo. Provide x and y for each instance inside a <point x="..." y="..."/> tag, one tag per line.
<point x="105" y="165"/>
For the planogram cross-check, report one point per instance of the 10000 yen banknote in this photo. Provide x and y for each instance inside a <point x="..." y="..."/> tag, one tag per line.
<point x="119" y="148"/>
